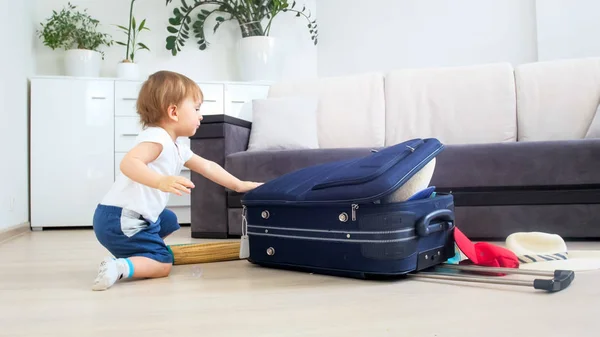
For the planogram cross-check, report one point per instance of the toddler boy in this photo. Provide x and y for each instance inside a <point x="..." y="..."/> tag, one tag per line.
<point x="131" y="221"/>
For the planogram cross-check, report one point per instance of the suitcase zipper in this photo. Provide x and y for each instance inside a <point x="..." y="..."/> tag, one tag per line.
<point x="354" y="208"/>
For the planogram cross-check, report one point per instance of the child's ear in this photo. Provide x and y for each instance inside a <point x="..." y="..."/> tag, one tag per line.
<point x="173" y="113"/>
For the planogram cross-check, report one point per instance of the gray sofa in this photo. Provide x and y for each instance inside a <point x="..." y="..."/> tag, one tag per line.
<point x="539" y="174"/>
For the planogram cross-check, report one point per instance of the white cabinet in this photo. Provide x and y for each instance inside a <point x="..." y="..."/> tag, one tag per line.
<point x="213" y="98"/>
<point x="72" y="152"/>
<point x="82" y="128"/>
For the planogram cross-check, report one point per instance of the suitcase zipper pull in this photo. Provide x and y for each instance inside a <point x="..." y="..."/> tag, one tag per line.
<point x="244" y="243"/>
<point x="354" y="208"/>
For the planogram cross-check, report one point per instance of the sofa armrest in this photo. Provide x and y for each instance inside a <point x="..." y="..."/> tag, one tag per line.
<point x="217" y="137"/>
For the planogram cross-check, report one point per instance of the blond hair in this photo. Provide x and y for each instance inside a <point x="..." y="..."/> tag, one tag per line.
<point x="161" y="90"/>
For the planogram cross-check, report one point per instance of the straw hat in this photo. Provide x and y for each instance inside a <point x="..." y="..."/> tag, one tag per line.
<point x="543" y="251"/>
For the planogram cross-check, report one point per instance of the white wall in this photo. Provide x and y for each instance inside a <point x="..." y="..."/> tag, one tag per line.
<point x="216" y="63"/>
<point x="16" y="64"/>
<point x="568" y="29"/>
<point x="386" y="34"/>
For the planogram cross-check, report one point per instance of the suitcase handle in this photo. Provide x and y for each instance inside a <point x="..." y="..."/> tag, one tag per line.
<point x="561" y="280"/>
<point x="425" y="226"/>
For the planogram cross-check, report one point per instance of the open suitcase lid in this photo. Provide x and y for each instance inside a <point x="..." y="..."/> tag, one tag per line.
<point x="364" y="179"/>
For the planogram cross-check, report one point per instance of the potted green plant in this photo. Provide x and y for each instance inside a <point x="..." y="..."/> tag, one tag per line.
<point x="127" y="68"/>
<point x="77" y="33"/>
<point x="258" y="53"/>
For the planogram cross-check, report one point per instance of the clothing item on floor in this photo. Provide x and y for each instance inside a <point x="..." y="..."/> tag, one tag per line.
<point x="484" y="253"/>
<point x="545" y="251"/>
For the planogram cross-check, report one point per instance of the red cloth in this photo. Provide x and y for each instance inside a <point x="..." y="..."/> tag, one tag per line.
<point x="485" y="254"/>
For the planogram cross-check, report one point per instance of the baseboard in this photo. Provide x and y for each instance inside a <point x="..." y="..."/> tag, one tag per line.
<point x="12" y="232"/>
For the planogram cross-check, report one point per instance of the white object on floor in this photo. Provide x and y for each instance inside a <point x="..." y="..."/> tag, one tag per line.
<point x="544" y="251"/>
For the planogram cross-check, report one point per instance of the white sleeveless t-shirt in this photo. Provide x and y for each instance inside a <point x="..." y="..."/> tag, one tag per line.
<point x="144" y="200"/>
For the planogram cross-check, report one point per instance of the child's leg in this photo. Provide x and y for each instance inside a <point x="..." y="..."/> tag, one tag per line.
<point x="112" y="270"/>
<point x="140" y="251"/>
<point x="144" y="267"/>
<point x="168" y="223"/>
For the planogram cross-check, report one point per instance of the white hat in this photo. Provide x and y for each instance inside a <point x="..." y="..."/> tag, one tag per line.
<point x="543" y="251"/>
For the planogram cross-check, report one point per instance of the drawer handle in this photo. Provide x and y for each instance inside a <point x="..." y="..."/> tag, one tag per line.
<point x="238" y="102"/>
<point x="98" y="97"/>
<point x="129" y="99"/>
<point x="130" y="134"/>
<point x="210" y="100"/>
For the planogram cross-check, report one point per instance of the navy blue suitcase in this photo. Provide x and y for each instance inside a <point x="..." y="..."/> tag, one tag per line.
<point x="329" y="218"/>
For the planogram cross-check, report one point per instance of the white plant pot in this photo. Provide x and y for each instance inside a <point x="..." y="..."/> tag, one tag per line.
<point x="83" y="63"/>
<point x="128" y="70"/>
<point x="259" y="58"/>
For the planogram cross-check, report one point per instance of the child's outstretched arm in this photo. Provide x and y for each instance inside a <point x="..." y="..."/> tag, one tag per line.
<point x="135" y="166"/>
<point x="219" y="175"/>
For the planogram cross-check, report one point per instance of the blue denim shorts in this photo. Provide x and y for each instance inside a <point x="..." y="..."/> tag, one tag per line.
<point x="125" y="233"/>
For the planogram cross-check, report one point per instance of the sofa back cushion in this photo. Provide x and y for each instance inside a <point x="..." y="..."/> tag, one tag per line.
<point x="457" y="105"/>
<point x="351" y="109"/>
<point x="557" y="100"/>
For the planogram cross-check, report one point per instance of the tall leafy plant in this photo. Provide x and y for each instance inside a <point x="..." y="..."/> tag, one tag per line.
<point x="132" y="32"/>
<point x="254" y="17"/>
<point x="71" y="28"/>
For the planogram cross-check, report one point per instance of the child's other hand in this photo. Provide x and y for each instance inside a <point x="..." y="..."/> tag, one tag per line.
<point x="175" y="185"/>
<point x="246" y="186"/>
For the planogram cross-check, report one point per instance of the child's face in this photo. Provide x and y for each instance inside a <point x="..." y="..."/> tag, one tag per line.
<point x="189" y="117"/>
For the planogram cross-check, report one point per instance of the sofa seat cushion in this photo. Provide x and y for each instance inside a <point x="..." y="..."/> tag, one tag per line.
<point x="520" y="164"/>
<point x="478" y="174"/>
<point x="262" y="166"/>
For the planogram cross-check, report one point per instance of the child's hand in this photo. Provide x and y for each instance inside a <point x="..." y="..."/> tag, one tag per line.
<point x="175" y="184"/>
<point x="246" y="186"/>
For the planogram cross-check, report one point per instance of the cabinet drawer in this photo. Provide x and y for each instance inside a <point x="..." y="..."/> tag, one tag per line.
<point x="126" y="131"/>
<point x="126" y="93"/>
<point x="212" y="91"/>
<point x="238" y="99"/>
<point x="242" y="93"/>
<point x="213" y="98"/>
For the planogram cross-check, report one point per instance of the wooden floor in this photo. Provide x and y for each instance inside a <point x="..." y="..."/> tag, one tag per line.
<point x="46" y="277"/>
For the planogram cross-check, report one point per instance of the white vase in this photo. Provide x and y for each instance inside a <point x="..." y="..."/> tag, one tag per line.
<point x="259" y="58"/>
<point x="82" y="63"/>
<point x="128" y="70"/>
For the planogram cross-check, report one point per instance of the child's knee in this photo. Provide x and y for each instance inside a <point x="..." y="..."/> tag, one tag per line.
<point x="168" y="223"/>
<point x="168" y="216"/>
<point x="166" y="269"/>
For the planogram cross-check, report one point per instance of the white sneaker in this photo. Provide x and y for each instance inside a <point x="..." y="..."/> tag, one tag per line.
<point x="108" y="274"/>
